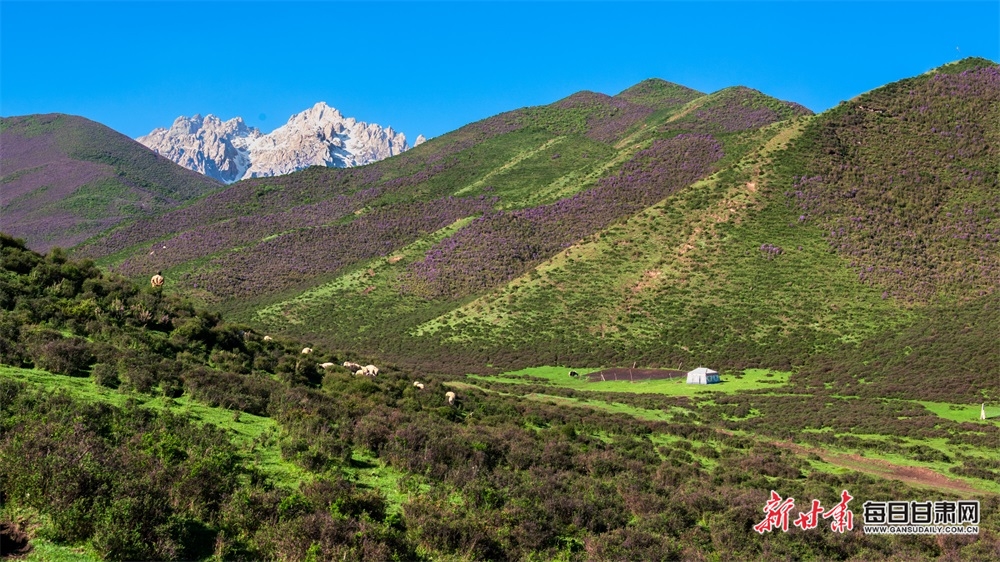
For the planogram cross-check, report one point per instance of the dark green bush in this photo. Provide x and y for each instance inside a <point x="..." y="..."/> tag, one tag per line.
<point x="105" y="375"/>
<point x="66" y="356"/>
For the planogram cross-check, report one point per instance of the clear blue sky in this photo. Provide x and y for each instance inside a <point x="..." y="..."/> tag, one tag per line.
<point x="431" y="67"/>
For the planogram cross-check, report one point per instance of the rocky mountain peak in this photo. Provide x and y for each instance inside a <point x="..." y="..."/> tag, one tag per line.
<point x="230" y="150"/>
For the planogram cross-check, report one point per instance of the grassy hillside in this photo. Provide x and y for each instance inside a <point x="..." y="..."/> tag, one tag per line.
<point x="66" y="178"/>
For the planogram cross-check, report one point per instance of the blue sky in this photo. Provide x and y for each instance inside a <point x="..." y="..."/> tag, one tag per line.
<point x="432" y="67"/>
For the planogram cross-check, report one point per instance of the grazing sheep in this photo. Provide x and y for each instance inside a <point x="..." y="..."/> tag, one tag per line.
<point x="418" y="384"/>
<point x="369" y="370"/>
<point x="307" y="350"/>
<point x="353" y="367"/>
<point x="268" y="338"/>
<point x="156" y="280"/>
<point x="450" y="396"/>
<point x="327" y="365"/>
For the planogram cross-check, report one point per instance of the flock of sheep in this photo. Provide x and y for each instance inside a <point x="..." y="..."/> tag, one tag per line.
<point x="371" y="371"/>
<point x="368" y="370"/>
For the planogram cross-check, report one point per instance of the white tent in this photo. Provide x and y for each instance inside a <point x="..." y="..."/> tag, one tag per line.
<point x="701" y="375"/>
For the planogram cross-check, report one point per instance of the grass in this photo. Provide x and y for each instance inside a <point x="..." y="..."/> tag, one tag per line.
<point x="47" y="551"/>
<point x="78" y="387"/>
<point x="836" y="458"/>
<point x="256" y="436"/>
<point x="962" y="412"/>
<point x="101" y="198"/>
<point x="373" y="473"/>
<point x="372" y="273"/>
<point x="512" y="163"/>
<point x="612" y="407"/>
<point x="751" y="379"/>
<point x="840" y="454"/>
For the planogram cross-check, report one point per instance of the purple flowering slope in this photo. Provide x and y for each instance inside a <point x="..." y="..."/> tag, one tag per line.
<point x="66" y="178"/>
<point x="905" y="184"/>
<point x="499" y="246"/>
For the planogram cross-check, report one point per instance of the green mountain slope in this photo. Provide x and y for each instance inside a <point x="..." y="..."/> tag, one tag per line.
<point x="804" y="244"/>
<point x="685" y="282"/>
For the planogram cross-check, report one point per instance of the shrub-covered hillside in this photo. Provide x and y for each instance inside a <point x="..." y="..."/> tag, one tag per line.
<point x="142" y="449"/>
<point x="66" y="178"/>
<point x="451" y="219"/>
<point x="905" y="183"/>
<point x="877" y="220"/>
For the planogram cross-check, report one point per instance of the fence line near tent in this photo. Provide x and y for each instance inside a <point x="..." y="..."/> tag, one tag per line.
<point x="626" y="374"/>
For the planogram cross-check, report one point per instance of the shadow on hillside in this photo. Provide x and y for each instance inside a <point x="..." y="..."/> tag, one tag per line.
<point x="362" y="464"/>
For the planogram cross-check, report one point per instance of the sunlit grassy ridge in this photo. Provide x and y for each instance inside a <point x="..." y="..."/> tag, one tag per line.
<point x="371" y="276"/>
<point x="255" y="436"/>
<point x="687" y="279"/>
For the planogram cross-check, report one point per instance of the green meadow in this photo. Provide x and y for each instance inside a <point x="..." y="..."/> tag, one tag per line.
<point x="749" y="379"/>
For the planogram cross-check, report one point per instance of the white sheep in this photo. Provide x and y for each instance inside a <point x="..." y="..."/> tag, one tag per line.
<point x="156" y="281"/>
<point x="371" y="370"/>
<point x="268" y="338"/>
<point x="418" y="384"/>
<point x="353" y="367"/>
<point x="451" y="397"/>
<point x="327" y="365"/>
<point x="307" y="350"/>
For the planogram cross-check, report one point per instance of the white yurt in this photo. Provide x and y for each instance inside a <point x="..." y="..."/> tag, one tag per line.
<point x="703" y="375"/>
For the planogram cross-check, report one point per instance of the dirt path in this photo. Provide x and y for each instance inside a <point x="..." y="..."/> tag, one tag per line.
<point x="913" y="475"/>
